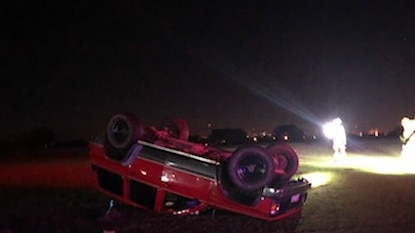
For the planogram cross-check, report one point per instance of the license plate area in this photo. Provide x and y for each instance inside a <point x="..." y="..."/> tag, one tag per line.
<point x="295" y="198"/>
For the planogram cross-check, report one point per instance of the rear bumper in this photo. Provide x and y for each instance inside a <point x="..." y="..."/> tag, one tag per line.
<point x="300" y="185"/>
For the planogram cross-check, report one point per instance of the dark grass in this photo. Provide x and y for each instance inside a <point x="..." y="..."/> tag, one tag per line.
<point x="83" y="210"/>
<point x="35" y="209"/>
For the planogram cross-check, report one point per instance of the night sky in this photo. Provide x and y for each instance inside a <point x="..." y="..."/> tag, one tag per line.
<point x="71" y="66"/>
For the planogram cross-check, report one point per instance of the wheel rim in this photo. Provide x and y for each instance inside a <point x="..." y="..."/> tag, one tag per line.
<point x="286" y="157"/>
<point x="123" y="130"/>
<point x="120" y="132"/>
<point x="251" y="169"/>
<point x="176" y="128"/>
<point x="282" y="161"/>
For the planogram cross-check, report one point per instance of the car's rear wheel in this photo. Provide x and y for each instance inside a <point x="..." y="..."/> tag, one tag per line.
<point x="176" y="127"/>
<point x="287" y="159"/>
<point x="250" y="168"/>
<point x="123" y="130"/>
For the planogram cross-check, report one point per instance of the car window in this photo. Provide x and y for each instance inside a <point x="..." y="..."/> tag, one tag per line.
<point x="177" y="159"/>
<point x="154" y="154"/>
<point x="191" y="165"/>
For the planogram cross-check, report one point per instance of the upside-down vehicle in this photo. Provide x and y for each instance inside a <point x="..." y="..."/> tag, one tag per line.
<point x="158" y="169"/>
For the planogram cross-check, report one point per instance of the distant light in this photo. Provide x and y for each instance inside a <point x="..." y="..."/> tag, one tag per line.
<point x="374" y="132"/>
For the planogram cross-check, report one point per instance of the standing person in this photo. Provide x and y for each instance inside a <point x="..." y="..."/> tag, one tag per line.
<point x="408" y="139"/>
<point x="335" y="131"/>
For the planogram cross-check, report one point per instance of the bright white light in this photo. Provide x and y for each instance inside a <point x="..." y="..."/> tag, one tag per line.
<point x="318" y="179"/>
<point x="333" y="129"/>
<point x="165" y="178"/>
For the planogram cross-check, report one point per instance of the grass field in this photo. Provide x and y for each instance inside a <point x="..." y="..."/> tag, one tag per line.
<point x="371" y="191"/>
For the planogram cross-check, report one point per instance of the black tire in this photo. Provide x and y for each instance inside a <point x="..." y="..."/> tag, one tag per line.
<point x="123" y="130"/>
<point x="250" y="168"/>
<point x="287" y="159"/>
<point x="176" y="127"/>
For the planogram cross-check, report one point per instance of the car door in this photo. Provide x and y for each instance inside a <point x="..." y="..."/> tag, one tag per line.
<point x="188" y="176"/>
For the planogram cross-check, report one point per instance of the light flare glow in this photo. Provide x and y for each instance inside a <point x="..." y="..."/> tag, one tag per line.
<point x="318" y="179"/>
<point x="273" y="92"/>
<point x="386" y="165"/>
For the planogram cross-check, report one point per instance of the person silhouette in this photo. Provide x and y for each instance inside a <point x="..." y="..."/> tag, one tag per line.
<point x="408" y="139"/>
<point x="335" y="130"/>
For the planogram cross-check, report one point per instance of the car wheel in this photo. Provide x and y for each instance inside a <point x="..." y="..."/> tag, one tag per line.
<point x="123" y="130"/>
<point x="251" y="168"/>
<point x="176" y="127"/>
<point x="287" y="159"/>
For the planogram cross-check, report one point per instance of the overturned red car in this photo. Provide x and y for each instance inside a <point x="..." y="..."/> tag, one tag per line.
<point x="158" y="169"/>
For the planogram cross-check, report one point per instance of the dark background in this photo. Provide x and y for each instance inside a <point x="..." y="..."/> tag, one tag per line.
<point x="255" y="65"/>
